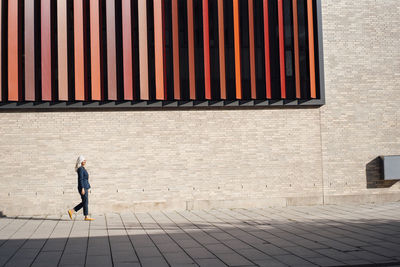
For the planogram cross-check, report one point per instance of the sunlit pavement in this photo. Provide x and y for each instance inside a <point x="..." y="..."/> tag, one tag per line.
<point x="362" y="235"/>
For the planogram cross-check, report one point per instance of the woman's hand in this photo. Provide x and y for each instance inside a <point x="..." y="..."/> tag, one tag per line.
<point x="83" y="191"/>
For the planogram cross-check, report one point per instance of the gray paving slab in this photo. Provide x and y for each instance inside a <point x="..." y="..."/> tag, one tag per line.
<point x="295" y="236"/>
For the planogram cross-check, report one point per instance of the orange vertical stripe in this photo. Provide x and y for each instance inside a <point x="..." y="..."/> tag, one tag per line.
<point x="127" y="49"/>
<point x="159" y="50"/>
<point x="252" y="52"/>
<point x="46" y="50"/>
<point x="143" y="53"/>
<point x="1" y="69"/>
<point x="29" y="50"/>
<point x="175" y="44"/>
<point x="13" y="75"/>
<point x="221" y="36"/>
<point x="311" y="47"/>
<point x="111" y="51"/>
<point x="192" y="77"/>
<point x="95" y="49"/>
<point x="79" y="52"/>
<point x="206" y="42"/>
<point x="62" y="50"/>
<point x="296" y="48"/>
<point x="266" y="52"/>
<point x="237" y="49"/>
<point x="282" y="48"/>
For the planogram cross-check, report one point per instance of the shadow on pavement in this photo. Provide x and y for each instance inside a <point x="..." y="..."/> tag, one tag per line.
<point x="247" y="242"/>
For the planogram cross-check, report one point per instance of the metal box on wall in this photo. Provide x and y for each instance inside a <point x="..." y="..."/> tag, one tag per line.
<point x="391" y="167"/>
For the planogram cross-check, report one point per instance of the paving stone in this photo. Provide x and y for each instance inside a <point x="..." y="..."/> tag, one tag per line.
<point x="270" y="263"/>
<point x="94" y="261"/>
<point x="253" y="254"/>
<point x="325" y="262"/>
<point x="178" y="258"/>
<point x="210" y="263"/>
<point x="154" y="261"/>
<point x="199" y="253"/>
<point x="148" y="252"/>
<point x="293" y="260"/>
<point x="47" y="258"/>
<point x="299" y="236"/>
<point x="188" y="243"/>
<point x="219" y="248"/>
<point x="73" y="259"/>
<point x="233" y="259"/>
<point x="372" y="257"/>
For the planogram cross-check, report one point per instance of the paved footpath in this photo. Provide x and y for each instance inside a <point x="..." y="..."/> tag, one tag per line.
<point x="363" y="235"/>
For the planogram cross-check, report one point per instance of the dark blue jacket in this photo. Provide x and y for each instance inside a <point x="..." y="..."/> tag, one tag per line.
<point x="83" y="179"/>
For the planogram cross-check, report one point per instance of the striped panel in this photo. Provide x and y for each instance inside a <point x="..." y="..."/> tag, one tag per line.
<point x="161" y="93"/>
<point x="252" y="52"/>
<point x="282" y="49"/>
<point x="296" y="48"/>
<point x="206" y="43"/>
<point x="143" y="53"/>
<point x="267" y="51"/>
<point x="236" y="27"/>
<point x="221" y="37"/>
<point x="62" y="50"/>
<point x="46" y="49"/>
<point x="266" y="36"/>
<point x="127" y="49"/>
<point x="111" y="51"/>
<point x="95" y="50"/>
<point x="192" y="77"/>
<point x="311" y="48"/>
<point x="175" y="49"/>
<point x="13" y="73"/>
<point x="29" y="50"/>
<point x="79" y="51"/>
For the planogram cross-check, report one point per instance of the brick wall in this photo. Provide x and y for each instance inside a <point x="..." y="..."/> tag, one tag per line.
<point x="205" y="158"/>
<point x="361" y="119"/>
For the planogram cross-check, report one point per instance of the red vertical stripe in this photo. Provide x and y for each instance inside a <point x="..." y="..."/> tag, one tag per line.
<point x="95" y="49"/>
<point x="29" y="50"/>
<point x="62" y="50"/>
<point x="192" y="77"/>
<point x="221" y="36"/>
<point x="311" y="48"/>
<point x="236" y="28"/>
<point x="252" y="52"/>
<point x="13" y="75"/>
<point x="46" y="49"/>
<point x="159" y="49"/>
<point x="175" y="44"/>
<point x="266" y="51"/>
<point x="296" y="48"/>
<point x="111" y="51"/>
<point x="206" y="39"/>
<point x="127" y="49"/>
<point x="79" y="51"/>
<point x="282" y="48"/>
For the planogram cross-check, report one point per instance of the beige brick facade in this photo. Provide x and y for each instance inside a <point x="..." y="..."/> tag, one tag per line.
<point x="224" y="157"/>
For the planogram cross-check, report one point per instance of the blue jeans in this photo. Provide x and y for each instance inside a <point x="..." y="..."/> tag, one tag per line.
<point x="84" y="203"/>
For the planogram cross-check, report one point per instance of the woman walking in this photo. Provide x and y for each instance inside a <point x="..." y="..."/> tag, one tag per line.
<point x="83" y="188"/>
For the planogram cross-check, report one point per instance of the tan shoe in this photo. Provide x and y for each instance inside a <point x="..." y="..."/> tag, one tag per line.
<point x="70" y="214"/>
<point x="88" y="219"/>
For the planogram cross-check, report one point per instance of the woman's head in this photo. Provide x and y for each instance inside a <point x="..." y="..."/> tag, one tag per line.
<point x="80" y="162"/>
